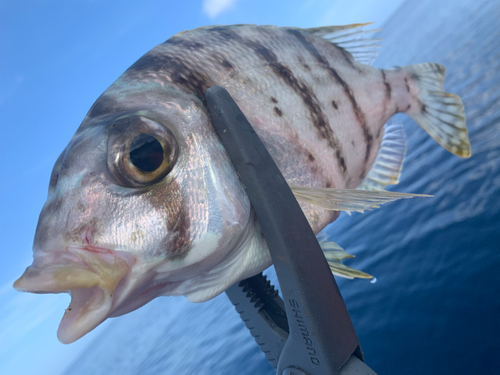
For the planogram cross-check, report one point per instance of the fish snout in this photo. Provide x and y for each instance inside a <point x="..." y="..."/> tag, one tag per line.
<point x="88" y="273"/>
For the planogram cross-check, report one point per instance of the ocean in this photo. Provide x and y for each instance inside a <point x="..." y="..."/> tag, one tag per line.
<point x="436" y="305"/>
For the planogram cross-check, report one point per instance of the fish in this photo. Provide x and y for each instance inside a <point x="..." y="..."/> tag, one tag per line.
<point x="144" y="201"/>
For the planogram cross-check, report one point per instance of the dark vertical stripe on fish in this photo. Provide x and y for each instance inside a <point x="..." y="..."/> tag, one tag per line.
<point x="347" y="58"/>
<point x="189" y="78"/>
<point x="388" y="89"/>
<point x="347" y="90"/>
<point x="388" y="93"/>
<point x="184" y="43"/>
<point x="177" y="244"/>
<point x="309" y="98"/>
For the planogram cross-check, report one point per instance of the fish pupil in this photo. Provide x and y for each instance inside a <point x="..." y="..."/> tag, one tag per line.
<point x="146" y="153"/>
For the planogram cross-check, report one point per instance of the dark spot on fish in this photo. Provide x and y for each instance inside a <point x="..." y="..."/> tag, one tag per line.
<point x="302" y="62"/>
<point x="328" y="184"/>
<point x="423" y="108"/>
<point x="353" y="143"/>
<point x="226" y="64"/>
<point x="408" y="107"/>
<point x="308" y="97"/>
<point x="341" y="160"/>
<point x="184" y="43"/>
<point x="334" y="105"/>
<point x="347" y="90"/>
<point x="415" y="77"/>
<point x="223" y="61"/>
<point x="407" y="86"/>
<point x="278" y="111"/>
<point x="311" y="158"/>
<point x="273" y="99"/>
<point x="388" y="89"/>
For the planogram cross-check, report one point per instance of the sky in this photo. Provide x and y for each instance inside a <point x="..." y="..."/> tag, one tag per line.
<point x="57" y="57"/>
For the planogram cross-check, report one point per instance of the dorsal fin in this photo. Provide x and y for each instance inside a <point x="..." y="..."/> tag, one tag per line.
<point x="216" y="27"/>
<point x="352" y="39"/>
<point x="389" y="162"/>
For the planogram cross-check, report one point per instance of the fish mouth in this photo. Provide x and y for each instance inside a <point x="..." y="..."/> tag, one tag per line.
<point x="89" y="274"/>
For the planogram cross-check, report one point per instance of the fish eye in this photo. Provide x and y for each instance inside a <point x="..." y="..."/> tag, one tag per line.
<point x="146" y="153"/>
<point x="141" y="152"/>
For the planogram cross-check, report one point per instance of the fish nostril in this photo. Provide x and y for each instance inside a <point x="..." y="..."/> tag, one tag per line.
<point x="87" y="236"/>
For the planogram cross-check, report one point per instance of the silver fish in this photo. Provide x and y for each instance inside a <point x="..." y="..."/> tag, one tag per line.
<point x="144" y="201"/>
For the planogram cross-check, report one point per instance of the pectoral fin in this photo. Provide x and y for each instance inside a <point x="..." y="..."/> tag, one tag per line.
<point x="347" y="199"/>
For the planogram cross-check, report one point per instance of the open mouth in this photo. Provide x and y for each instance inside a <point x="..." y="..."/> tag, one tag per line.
<point x="88" y="273"/>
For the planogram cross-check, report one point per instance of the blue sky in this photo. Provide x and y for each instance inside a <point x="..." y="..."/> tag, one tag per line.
<point x="57" y="58"/>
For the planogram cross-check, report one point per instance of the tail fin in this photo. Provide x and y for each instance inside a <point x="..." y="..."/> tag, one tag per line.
<point x="440" y="114"/>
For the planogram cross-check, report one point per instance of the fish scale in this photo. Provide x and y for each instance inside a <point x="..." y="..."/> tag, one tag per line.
<point x="259" y="63"/>
<point x="145" y="202"/>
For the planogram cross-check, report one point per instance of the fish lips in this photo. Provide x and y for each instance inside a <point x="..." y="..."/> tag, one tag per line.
<point x="89" y="274"/>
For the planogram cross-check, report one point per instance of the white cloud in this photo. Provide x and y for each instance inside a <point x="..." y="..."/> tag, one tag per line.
<point x="214" y="7"/>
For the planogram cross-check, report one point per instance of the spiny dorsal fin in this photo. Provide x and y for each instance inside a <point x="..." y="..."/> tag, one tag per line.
<point x="216" y="27"/>
<point x="352" y="39"/>
<point x="347" y="199"/>
<point x="334" y="255"/>
<point x="389" y="162"/>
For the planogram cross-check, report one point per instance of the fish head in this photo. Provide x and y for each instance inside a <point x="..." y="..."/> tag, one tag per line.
<point x="143" y="202"/>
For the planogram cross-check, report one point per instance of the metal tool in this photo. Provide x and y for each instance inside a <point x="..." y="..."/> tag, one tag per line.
<point x="310" y="331"/>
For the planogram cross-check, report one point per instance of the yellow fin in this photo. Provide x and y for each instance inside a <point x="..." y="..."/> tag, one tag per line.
<point x="334" y="255"/>
<point x="440" y="114"/>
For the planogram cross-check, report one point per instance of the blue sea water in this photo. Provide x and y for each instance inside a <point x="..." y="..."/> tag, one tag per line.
<point x="436" y="306"/>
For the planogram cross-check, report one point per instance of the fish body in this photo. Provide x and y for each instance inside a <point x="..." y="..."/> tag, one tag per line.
<point x="144" y="200"/>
